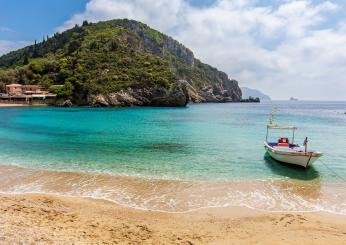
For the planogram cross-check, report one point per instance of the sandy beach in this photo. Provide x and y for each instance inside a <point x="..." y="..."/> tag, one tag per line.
<point x="20" y="105"/>
<point x="47" y="219"/>
<point x="12" y="105"/>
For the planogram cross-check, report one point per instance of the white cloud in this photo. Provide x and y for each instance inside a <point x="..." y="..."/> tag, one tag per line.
<point x="283" y="50"/>
<point x="6" y="29"/>
<point x="7" y="46"/>
<point x="163" y="15"/>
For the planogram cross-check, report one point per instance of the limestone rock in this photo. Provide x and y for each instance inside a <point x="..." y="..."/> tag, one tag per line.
<point x="64" y="103"/>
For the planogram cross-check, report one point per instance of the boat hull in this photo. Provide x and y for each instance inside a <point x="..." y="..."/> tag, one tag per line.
<point x="303" y="159"/>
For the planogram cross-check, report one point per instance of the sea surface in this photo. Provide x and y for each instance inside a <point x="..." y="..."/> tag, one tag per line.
<point x="176" y="159"/>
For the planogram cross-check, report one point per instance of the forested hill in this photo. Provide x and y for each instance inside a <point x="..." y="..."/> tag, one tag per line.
<point x="117" y="63"/>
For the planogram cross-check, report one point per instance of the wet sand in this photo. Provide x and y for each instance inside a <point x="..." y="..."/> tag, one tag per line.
<point x="48" y="219"/>
<point x="177" y="195"/>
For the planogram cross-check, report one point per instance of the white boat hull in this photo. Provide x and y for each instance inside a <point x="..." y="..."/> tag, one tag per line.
<point x="303" y="159"/>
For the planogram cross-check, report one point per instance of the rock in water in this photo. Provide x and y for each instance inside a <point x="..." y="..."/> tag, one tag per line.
<point x="64" y="103"/>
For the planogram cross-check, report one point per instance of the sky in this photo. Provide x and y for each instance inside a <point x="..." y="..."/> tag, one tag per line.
<point x="285" y="48"/>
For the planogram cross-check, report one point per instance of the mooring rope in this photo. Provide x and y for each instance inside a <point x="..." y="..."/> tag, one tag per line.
<point x="333" y="171"/>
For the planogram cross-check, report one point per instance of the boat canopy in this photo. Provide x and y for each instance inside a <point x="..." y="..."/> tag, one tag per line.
<point x="272" y="126"/>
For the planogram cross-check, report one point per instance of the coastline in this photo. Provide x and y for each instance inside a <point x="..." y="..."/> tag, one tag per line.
<point x="21" y="105"/>
<point x="130" y="106"/>
<point x="41" y="218"/>
<point x="176" y="196"/>
<point x="13" y="105"/>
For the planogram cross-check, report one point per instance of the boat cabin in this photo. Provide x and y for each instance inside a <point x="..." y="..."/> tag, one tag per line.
<point x="284" y="142"/>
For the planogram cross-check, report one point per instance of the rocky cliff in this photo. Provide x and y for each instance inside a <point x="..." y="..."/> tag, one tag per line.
<point x="118" y="63"/>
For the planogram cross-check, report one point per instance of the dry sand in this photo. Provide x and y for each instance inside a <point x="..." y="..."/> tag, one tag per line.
<point x="45" y="219"/>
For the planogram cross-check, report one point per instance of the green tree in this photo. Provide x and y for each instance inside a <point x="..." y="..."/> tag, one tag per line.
<point x="45" y="84"/>
<point x="113" y="45"/>
<point x="26" y="59"/>
<point x="2" y="87"/>
<point x="35" y="51"/>
<point x="73" y="46"/>
<point x="67" y="90"/>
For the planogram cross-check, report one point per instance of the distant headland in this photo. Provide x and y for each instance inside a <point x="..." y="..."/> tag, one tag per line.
<point x="254" y="93"/>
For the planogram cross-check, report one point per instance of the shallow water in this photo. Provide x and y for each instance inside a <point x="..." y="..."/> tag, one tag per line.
<point x="185" y="158"/>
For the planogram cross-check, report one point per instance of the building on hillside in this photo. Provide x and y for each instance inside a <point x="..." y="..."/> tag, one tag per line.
<point x="26" y="94"/>
<point x="31" y="89"/>
<point x="13" y="89"/>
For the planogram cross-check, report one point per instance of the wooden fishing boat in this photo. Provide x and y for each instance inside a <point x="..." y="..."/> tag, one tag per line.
<point x="288" y="152"/>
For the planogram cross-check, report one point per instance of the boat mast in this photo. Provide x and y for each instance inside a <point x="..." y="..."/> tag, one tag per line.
<point x="271" y="120"/>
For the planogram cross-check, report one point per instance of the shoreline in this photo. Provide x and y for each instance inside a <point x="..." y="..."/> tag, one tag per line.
<point x="42" y="218"/>
<point x="14" y="105"/>
<point x="132" y="106"/>
<point x="177" y="196"/>
<point x="21" y="105"/>
<point x="191" y="211"/>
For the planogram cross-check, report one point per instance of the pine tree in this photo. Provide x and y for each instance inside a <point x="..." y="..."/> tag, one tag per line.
<point x="35" y="53"/>
<point x="26" y="59"/>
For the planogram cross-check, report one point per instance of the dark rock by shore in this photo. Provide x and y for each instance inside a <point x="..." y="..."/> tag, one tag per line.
<point x="251" y="100"/>
<point x="63" y="103"/>
<point x="180" y="94"/>
<point x="156" y="96"/>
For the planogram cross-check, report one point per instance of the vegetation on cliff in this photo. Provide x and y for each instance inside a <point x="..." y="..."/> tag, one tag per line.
<point x="112" y="56"/>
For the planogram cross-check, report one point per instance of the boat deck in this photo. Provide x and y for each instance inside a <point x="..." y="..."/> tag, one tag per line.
<point x="291" y="148"/>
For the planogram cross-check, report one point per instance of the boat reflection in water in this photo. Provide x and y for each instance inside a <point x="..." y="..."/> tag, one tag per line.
<point x="304" y="184"/>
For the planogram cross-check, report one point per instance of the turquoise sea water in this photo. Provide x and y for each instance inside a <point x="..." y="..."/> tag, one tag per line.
<point x="203" y="143"/>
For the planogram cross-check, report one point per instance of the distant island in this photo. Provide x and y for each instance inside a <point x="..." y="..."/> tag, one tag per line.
<point x="293" y="99"/>
<point x="251" y="100"/>
<point x="114" y="63"/>
<point x="249" y="92"/>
